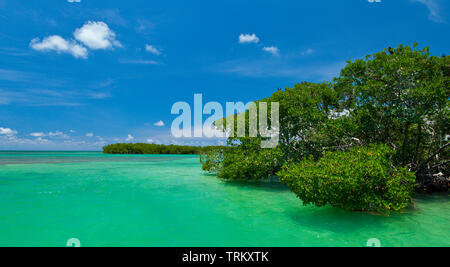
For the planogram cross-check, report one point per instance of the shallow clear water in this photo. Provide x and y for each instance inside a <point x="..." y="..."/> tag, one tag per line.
<point x="105" y="200"/>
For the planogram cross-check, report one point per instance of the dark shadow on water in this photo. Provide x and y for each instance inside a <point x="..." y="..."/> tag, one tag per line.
<point x="271" y="184"/>
<point x="335" y="219"/>
<point x="339" y="220"/>
<point x="433" y="198"/>
<point x="209" y="174"/>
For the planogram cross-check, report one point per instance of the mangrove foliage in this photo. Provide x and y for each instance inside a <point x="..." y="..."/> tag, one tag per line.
<point x="365" y="141"/>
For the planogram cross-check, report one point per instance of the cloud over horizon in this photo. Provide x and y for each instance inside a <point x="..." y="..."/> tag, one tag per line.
<point x="7" y="131"/>
<point x="129" y="138"/>
<point x="50" y="134"/>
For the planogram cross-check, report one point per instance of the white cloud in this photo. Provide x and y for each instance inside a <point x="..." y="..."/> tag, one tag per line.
<point x="129" y="138"/>
<point x="150" y="141"/>
<point x="159" y="124"/>
<point x="74" y="1"/>
<point x="434" y="8"/>
<point x="60" y="45"/>
<point x="374" y="1"/>
<point x="7" y="131"/>
<point x="39" y="134"/>
<point x="272" y="49"/>
<point x="50" y="134"/>
<point x="93" y="35"/>
<point x="90" y="134"/>
<point x="97" y="35"/>
<point x="152" y="49"/>
<point x="248" y="38"/>
<point x="57" y="134"/>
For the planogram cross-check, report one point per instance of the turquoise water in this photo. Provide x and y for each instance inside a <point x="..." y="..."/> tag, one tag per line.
<point x="105" y="200"/>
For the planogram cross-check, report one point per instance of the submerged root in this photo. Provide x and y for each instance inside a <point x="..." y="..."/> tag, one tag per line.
<point x="433" y="184"/>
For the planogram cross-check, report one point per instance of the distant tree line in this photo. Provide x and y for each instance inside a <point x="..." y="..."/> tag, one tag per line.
<point x="144" y="148"/>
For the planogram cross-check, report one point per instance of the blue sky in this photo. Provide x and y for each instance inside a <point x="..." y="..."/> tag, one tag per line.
<point x="78" y="75"/>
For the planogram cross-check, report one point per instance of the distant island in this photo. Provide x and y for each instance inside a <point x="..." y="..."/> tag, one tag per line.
<point x="144" y="148"/>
